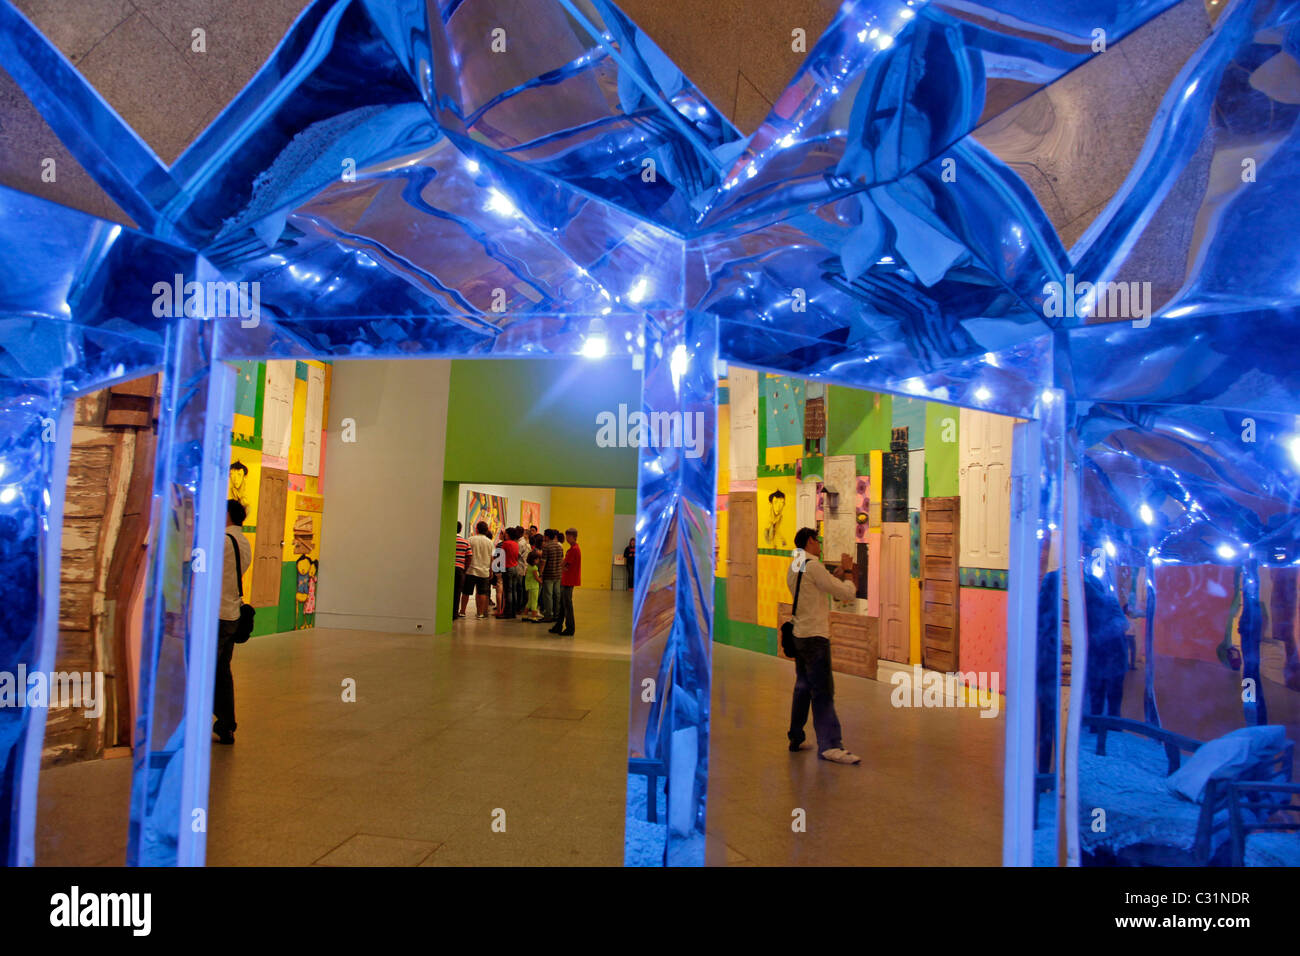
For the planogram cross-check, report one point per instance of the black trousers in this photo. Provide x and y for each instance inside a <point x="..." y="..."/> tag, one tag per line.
<point x="631" y="578"/>
<point x="814" y="687"/>
<point x="460" y="586"/>
<point x="223" y="692"/>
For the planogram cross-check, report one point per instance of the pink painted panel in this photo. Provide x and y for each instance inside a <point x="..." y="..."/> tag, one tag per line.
<point x="875" y="554"/>
<point x="982" y="640"/>
<point x="1192" y="607"/>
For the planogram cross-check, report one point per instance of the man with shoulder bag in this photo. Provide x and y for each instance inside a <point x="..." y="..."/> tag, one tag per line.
<point x="804" y="638"/>
<point x="235" y="623"/>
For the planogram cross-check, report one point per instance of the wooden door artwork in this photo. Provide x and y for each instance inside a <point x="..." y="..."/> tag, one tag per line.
<point x="312" y="421"/>
<point x="940" y="531"/>
<point x="985" y="486"/>
<point x="742" y="556"/>
<point x="895" y="598"/>
<point x="268" y="549"/>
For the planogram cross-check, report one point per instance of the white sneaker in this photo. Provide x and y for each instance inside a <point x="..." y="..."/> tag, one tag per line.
<point x="840" y="755"/>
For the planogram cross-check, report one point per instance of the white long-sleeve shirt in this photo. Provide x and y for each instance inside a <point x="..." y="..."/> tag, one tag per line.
<point x="819" y="586"/>
<point x="229" y="580"/>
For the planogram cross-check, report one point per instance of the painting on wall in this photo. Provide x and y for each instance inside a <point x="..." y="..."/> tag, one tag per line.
<point x="480" y="506"/>
<point x="530" y="514"/>
<point x="776" y="513"/>
<point x="238" y="488"/>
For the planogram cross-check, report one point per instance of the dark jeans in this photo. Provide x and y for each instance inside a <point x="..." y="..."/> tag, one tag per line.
<point x="631" y="578"/>
<point x="814" y="686"/>
<point x="521" y="593"/>
<point x="564" y="616"/>
<point x="460" y="586"/>
<point x="223" y="693"/>
<point x="506" y="593"/>
<point x="550" y="598"/>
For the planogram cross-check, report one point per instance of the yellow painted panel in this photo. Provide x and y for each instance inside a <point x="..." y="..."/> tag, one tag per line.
<point x="877" y="486"/>
<point x="772" y="589"/>
<point x="243" y="486"/>
<point x="783" y="455"/>
<point x="299" y="424"/>
<point x="591" y="511"/>
<point x="723" y="524"/>
<point x="243" y="426"/>
<point x="914" y="641"/>
<point x="776" y="524"/>
<point x="724" y="447"/>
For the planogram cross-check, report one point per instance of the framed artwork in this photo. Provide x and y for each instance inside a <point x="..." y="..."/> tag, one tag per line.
<point x="530" y="513"/>
<point x="480" y="506"/>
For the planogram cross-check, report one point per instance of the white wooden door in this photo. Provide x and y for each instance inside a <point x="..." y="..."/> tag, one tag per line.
<point x="277" y="412"/>
<point x="742" y="390"/>
<point x="312" y="420"/>
<point x="805" y="505"/>
<point x="841" y="508"/>
<point x="984" y="481"/>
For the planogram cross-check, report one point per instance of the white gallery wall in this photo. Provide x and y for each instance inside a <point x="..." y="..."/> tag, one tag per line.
<point x="383" y="491"/>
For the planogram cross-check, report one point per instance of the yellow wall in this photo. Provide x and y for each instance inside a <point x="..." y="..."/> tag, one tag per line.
<point x="724" y="483"/>
<point x="591" y="511"/>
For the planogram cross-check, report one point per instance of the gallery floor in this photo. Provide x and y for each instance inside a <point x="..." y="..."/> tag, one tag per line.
<point x="504" y="721"/>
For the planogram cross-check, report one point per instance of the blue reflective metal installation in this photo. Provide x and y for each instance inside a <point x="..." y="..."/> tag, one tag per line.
<point x="574" y="185"/>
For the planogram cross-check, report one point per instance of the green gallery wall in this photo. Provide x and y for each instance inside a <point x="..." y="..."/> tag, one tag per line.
<point x="533" y="422"/>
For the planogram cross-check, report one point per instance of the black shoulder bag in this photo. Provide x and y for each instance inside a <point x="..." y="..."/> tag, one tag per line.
<point x="787" y="629"/>
<point x="244" y="626"/>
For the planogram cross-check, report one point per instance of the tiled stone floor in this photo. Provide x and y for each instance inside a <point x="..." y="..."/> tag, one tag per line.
<point x="446" y="734"/>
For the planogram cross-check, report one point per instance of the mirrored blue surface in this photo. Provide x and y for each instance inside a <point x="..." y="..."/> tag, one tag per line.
<point x="401" y="180"/>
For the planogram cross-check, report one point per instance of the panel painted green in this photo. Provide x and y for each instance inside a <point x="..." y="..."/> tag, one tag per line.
<point x="624" y="501"/>
<point x="446" y="557"/>
<point x="534" y="422"/>
<point x="751" y="637"/>
<point x="279" y="618"/>
<point x="909" y="413"/>
<point x="784" y="401"/>
<point x="288" y="592"/>
<point x="856" y="421"/>
<point x="261" y="402"/>
<point x="246" y="379"/>
<point x="941" y="456"/>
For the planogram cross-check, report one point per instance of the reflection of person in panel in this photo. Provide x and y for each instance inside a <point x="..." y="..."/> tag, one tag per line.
<point x="813" y="684"/>
<point x="1049" y="602"/>
<point x="1107" y="647"/>
<point x="223" y="695"/>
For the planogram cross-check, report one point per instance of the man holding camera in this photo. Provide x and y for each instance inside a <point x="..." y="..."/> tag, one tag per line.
<point x="813" y="686"/>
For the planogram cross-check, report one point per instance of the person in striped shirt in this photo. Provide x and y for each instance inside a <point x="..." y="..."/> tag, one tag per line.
<point x="462" y="559"/>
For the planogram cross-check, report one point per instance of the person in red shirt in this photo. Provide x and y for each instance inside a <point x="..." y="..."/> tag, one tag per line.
<point x="510" y="547"/>
<point x="570" y="579"/>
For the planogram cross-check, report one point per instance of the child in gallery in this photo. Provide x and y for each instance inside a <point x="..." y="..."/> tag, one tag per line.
<point x="533" y="583"/>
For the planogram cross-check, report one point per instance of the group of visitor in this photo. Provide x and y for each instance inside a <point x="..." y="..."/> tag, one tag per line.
<point x="526" y="575"/>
